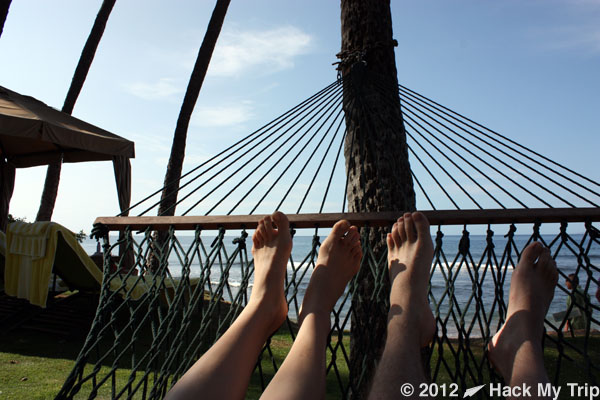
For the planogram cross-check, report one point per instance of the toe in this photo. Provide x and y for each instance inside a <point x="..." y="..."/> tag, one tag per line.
<point x="421" y="225"/>
<point x="260" y="229"/>
<point x="396" y="229"/>
<point x="390" y="241"/>
<point x="544" y="258"/>
<point x="281" y="220"/>
<point x="340" y="228"/>
<point x="409" y="227"/>
<point x="531" y="253"/>
<point x="402" y="230"/>
<point x="256" y="239"/>
<point x="261" y="226"/>
<point x="548" y="265"/>
<point x="352" y="237"/>
<point x="269" y="230"/>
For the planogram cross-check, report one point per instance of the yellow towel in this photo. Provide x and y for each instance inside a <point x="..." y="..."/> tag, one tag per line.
<point x="28" y="239"/>
<point x="30" y="257"/>
<point x="28" y="264"/>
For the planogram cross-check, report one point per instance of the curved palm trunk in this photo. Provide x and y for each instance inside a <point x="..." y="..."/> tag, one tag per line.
<point x="168" y="200"/>
<point x="376" y="154"/>
<point x="49" y="192"/>
<point x="85" y="61"/>
<point x="173" y="174"/>
<point x="4" y="6"/>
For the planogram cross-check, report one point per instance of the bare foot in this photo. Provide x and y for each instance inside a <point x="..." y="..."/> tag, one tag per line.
<point x="338" y="261"/>
<point x="531" y="291"/>
<point x="271" y="252"/>
<point x="410" y="252"/>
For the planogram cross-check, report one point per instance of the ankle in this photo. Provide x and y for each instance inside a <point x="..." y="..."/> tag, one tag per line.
<point x="517" y="344"/>
<point x="266" y="309"/>
<point x="314" y="307"/>
<point x="320" y="317"/>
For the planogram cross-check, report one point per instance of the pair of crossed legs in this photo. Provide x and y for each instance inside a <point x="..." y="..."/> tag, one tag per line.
<point x="224" y="370"/>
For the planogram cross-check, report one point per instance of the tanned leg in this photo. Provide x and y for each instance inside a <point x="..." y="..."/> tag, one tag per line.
<point x="516" y="350"/>
<point x="302" y="374"/>
<point x="224" y="371"/>
<point x="410" y="322"/>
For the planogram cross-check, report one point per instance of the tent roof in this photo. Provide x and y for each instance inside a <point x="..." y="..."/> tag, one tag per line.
<point x="33" y="133"/>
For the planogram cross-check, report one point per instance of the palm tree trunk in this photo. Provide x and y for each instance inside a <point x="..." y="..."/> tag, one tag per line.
<point x="49" y="192"/>
<point x="168" y="200"/>
<point x="376" y="154"/>
<point x="173" y="174"/>
<point x="85" y="61"/>
<point x="4" y="6"/>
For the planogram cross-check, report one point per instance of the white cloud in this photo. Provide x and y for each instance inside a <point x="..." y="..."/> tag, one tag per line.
<point x="228" y="115"/>
<point x="585" y="38"/>
<point x="584" y="35"/>
<point x="268" y="51"/>
<point x="164" y="87"/>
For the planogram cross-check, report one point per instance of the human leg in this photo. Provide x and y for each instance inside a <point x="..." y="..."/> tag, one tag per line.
<point x="224" y="370"/>
<point x="516" y="351"/>
<point x="410" y="322"/>
<point x="302" y="374"/>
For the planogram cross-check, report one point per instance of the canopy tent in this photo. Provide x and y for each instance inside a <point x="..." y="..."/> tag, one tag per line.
<point x="33" y="133"/>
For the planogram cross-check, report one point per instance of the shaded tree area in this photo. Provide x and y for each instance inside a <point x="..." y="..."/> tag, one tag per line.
<point x="376" y="153"/>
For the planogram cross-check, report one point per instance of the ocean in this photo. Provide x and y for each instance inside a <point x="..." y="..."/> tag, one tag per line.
<point x="461" y="271"/>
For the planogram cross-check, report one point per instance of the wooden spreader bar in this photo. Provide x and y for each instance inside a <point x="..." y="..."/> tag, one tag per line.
<point x="381" y="219"/>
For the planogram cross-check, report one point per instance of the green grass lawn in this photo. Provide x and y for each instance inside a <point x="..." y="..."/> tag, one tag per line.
<point x="34" y="365"/>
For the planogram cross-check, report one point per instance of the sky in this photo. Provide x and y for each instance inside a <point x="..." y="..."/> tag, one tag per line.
<point x="526" y="68"/>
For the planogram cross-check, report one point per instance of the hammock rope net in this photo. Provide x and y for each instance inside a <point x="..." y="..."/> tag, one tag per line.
<point x="138" y="348"/>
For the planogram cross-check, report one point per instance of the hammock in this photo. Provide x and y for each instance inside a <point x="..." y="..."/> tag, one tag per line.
<point x="485" y="195"/>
